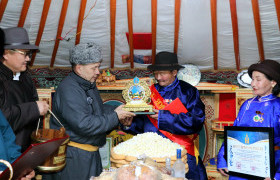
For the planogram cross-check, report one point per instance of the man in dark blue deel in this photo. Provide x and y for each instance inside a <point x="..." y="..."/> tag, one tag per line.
<point x="181" y="127"/>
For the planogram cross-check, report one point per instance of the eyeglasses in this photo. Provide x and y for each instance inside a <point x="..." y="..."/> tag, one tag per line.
<point x="25" y="53"/>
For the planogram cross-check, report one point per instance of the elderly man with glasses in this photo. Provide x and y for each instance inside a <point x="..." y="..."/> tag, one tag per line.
<point x="18" y="96"/>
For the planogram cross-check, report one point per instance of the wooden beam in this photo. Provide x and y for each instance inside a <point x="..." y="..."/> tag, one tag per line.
<point x="154" y="29"/>
<point x="80" y="20"/>
<point x="130" y="31"/>
<point x="258" y="28"/>
<point x="277" y="7"/>
<point x="177" y="24"/>
<point x="44" y="16"/>
<point x="234" y="23"/>
<point x="3" y="5"/>
<point x="24" y="12"/>
<point x="59" y="29"/>
<point x="214" y="32"/>
<point x="113" y="7"/>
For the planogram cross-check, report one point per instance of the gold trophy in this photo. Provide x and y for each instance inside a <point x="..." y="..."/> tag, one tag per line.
<point x="137" y="94"/>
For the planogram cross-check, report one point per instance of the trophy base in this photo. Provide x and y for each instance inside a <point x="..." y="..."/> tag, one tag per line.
<point x="139" y="113"/>
<point x="139" y="109"/>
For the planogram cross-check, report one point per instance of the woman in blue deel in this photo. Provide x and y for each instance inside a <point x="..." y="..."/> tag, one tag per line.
<point x="263" y="110"/>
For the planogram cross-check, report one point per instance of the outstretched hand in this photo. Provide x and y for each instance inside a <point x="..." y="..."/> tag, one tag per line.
<point x="43" y="107"/>
<point x="223" y="171"/>
<point x="29" y="176"/>
<point x="125" y="117"/>
<point x="126" y="121"/>
<point x="155" y="116"/>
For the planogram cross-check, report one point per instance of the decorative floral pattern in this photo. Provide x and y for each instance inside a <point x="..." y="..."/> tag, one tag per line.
<point x="45" y="77"/>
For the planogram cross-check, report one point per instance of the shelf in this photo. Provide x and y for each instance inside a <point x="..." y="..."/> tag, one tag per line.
<point x="218" y="125"/>
<point x="216" y="87"/>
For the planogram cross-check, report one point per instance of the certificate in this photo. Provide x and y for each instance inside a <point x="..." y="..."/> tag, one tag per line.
<point x="249" y="151"/>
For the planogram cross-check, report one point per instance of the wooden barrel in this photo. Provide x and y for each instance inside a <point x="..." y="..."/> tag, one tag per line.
<point x="10" y="168"/>
<point x="56" y="161"/>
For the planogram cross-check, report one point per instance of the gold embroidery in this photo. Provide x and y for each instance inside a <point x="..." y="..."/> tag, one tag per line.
<point x="247" y="139"/>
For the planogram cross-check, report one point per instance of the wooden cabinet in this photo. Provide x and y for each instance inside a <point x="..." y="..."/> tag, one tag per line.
<point x="242" y="94"/>
<point x="218" y="134"/>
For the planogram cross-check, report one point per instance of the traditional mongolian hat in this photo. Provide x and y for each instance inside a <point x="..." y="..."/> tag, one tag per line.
<point x="85" y="54"/>
<point x="269" y="67"/>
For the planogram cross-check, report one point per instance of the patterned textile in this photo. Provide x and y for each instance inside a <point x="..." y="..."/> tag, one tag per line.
<point x="45" y="77"/>
<point x="223" y="77"/>
<point x="206" y="143"/>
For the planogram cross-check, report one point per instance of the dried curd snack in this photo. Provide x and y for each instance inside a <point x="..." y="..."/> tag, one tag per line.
<point x="150" y="144"/>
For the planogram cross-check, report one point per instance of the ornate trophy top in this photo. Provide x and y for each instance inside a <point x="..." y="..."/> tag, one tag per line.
<point x="137" y="95"/>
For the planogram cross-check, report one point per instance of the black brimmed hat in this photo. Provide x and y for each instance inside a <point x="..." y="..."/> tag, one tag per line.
<point x="165" y="61"/>
<point x="268" y="67"/>
<point x="2" y="40"/>
<point x="17" y="38"/>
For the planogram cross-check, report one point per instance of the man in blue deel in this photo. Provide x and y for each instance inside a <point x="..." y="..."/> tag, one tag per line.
<point x="183" y="127"/>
